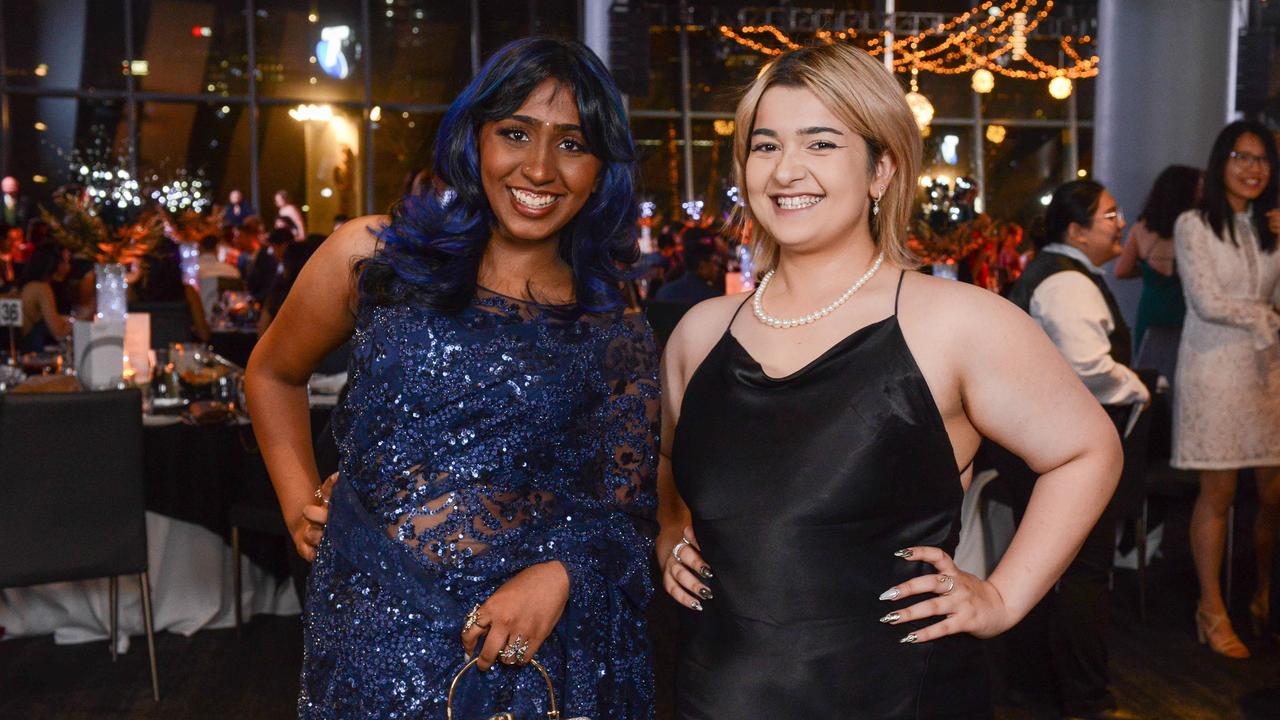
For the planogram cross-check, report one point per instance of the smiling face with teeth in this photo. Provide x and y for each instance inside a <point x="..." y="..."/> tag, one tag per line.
<point x="536" y="167"/>
<point x="810" y="180"/>
<point x="1247" y="171"/>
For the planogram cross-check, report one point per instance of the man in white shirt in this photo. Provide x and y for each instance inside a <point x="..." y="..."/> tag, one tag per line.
<point x="1065" y="290"/>
<point x="210" y="271"/>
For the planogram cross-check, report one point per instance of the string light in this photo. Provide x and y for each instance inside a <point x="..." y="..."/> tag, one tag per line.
<point x="956" y="46"/>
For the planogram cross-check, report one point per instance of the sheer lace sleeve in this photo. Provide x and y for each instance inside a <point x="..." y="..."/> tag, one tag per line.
<point x="610" y="537"/>
<point x="1204" y="292"/>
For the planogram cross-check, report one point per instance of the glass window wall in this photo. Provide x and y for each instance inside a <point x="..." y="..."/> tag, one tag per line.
<point x="341" y="116"/>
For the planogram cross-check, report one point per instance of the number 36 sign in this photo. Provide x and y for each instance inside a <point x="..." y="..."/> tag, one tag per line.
<point x="10" y="312"/>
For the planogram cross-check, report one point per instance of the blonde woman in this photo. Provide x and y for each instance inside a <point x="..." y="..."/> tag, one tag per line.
<point x="818" y="432"/>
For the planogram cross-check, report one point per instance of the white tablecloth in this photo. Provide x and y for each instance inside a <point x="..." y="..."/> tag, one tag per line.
<point x="191" y="590"/>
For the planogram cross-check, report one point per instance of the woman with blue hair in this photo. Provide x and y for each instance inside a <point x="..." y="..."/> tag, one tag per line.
<point x="498" y="437"/>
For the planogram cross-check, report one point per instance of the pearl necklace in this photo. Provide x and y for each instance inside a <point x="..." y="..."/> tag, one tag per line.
<point x="757" y="302"/>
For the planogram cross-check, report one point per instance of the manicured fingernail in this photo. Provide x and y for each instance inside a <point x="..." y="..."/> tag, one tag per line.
<point x="904" y="553"/>
<point x="909" y="639"/>
<point x="705" y="571"/>
<point x="696" y="605"/>
<point x="890" y="594"/>
<point x="705" y="593"/>
<point x="891" y="617"/>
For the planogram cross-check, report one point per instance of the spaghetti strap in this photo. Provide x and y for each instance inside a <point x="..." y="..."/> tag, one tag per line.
<point x="901" y="274"/>
<point x="735" y="312"/>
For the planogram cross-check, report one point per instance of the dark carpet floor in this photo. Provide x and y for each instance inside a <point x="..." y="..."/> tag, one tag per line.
<point x="1158" y="669"/>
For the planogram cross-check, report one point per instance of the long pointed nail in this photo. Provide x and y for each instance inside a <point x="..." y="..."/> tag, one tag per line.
<point x="890" y="594"/>
<point x="891" y="617"/>
<point x="904" y="553"/>
<point x="696" y="605"/>
<point x="705" y="593"/>
<point x="910" y="638"/>
<point x="705" y="571"/>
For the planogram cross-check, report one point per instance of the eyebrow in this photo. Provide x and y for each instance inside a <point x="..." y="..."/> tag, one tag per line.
<point x="563" y="127"/>
<point x="817" y="130"/>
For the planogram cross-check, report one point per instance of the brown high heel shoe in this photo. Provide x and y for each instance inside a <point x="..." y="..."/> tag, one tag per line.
<point x="1215" y="630"/>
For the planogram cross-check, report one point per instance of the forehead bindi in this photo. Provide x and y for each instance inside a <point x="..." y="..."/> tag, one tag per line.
<point x="550" y="105"/>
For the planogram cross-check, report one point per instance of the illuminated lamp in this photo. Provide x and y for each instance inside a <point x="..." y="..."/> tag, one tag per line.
<point x="983" y="81"/>
<point x="996" y="133"/>
<point x="1060" y="87"/>
<point x="921" y="109"/>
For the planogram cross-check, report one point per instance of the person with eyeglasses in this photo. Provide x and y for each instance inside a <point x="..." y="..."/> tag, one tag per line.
<point x="1226" y="407"/>
<point x="1064" y="290"/>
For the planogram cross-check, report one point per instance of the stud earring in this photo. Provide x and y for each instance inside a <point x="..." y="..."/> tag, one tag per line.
<point x="875" y="204"/>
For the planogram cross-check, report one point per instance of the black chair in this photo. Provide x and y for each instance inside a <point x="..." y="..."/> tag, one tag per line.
<point x="259" y="512"/>
<point x="170" y="321"/>
<point x="663" y="318"/>
<point x="74" y="505"/>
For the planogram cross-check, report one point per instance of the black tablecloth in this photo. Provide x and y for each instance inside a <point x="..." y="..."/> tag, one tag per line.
<point x="195" y="474"/>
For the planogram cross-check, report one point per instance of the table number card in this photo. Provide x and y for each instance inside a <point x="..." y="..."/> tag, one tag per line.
<point x="11" y="312"/>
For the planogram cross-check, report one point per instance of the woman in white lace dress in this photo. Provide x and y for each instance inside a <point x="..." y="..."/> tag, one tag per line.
<point x="1227" y="391"/>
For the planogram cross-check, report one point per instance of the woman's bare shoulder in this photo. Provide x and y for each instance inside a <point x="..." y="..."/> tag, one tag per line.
<point x="699" y="330"/>
<point x="356" y="239"/>
<point x="958" y="309"/>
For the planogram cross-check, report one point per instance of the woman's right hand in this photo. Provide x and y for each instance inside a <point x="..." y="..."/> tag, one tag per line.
<point x="682" y="577"/>
<point x="308" y="529"/>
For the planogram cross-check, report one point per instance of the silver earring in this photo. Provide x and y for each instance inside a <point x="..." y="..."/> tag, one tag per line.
<point x="875" y="204"/>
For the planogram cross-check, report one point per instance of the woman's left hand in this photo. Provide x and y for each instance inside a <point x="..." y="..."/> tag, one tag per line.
<point x="1273" y="221"/>
<point x="519" y="615"/>
<point x="967" y="603"/>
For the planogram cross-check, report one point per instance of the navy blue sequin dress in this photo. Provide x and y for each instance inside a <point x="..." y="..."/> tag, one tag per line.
<point x="474" y="445"/>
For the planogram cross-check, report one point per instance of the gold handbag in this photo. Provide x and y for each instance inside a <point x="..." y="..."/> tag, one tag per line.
<point x="552" y="714"/>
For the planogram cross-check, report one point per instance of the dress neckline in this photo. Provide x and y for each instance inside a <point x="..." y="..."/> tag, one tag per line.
<point x="524" y="301"/>
<point x="826" y="354"/>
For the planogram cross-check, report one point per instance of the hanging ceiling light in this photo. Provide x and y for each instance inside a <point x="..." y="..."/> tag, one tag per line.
<point x="983" y="81"/>
<point x="921" y="108"/>
<point x="1060" y="87"/>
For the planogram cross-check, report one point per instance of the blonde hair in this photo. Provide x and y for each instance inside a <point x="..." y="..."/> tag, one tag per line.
<point x="867" y="99"/>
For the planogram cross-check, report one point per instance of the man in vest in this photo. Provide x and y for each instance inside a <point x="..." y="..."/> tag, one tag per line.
<point x="1064" y="290"/>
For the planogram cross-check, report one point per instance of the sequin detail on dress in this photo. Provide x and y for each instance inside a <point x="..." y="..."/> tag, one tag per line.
<point x="473" y="446"/>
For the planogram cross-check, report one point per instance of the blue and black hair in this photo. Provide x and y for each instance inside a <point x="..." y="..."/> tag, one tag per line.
<point x="431" y="249"/>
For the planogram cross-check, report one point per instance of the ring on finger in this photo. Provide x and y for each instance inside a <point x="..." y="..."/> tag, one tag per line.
<point x="949" y="581"/>
<point x="515" y="650"/>
<point x="473" y="617"/>
<point x="675" y="551"/>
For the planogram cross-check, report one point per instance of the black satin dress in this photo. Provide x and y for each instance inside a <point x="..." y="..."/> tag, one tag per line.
<point x="801" y="490"/>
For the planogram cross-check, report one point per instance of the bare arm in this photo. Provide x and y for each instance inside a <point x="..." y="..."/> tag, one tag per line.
<point x="1204" y="294"/>
<point x="1020" y="393"/>
<point x="689" y="344"/>
<point x="316" y="317"/>
<point x="1127" y="264"/>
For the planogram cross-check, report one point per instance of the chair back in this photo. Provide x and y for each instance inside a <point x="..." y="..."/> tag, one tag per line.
<point x="170" y="321"/>
<point x="72" y="499"/>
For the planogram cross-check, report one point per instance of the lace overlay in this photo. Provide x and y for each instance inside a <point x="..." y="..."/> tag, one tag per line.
<point x="473" y="446"/>
<point x="1226" y="396"/>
